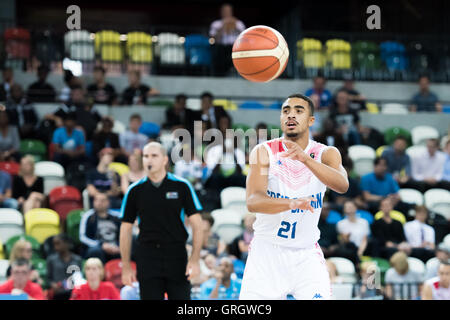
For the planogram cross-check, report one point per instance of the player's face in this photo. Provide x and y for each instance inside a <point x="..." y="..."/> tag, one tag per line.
<point x="153" y="159"/>
<point x="444" y="275"/>
<point x="295" y="118"/>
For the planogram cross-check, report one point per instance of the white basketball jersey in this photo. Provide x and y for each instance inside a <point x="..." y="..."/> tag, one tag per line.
<point x="438" y="292"/>
<point x="292" y="179"/>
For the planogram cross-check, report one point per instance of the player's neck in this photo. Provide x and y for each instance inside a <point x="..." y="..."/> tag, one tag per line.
<point x="301" y="140"/>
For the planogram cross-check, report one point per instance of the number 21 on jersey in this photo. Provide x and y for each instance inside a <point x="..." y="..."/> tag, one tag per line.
<point x="287" y="230"/>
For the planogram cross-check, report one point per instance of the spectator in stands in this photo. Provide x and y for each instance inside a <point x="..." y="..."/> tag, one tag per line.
<point x="317" y="125"/>
<point x="345" y="119"/>
<point x="319" y="88"/>
<point x="211" y="241"/>
<point x="41" y="90"/>
<point x="356" y="99"/>
<point x="398" y="162"/>
<point x="21" y="113"/>
<point x="380" y="184"/>
<point x="20" y="282"/>
<point x="370" y="136"/>
<point x="137" y="93"/>
<point x="136" y="172"/>
<point x="442" y="254"/>
<point x="9" y="138"/>
<point x="328" y="234"/>
<point x="28" y="188"/>
<point x="331" y="136"/>
<point x="69" y="142"/>
<point x="438" y="288"/>
<point x="211" y="113"/>
<point x="69" y="81"/>
<point x="22" y="249"/>
<point x="425" y="100"/>
<point x="8" y="81"/>
<point x="207" y="269"/>
<point x="99" y="230"/>
<point x="399" y="277"/>
<point x="224" y="31"/>
<point x="222" y="286"/>
<point x="100" y="90"/>
<point x="106" y="138"/>
<point x="387" y="233"/>
<point x="239" y="246"/>
<point x="353" y="229"/>
<point x="6" y="200"/>
<point x="192" y="169"/>
<point x="428" y="168"/>
<point x="132" y="140"/>
<point x="95" y="288"/>
<point x="76" y="101"/>
<point x="368" y="279"/>
<point x="102" y="179"/>
<point x="420" y="236"/>
<point x="88" y="118"/>
<point x="179" y="116"/>
<point x="60" y="267"/>
<point x="446" y="173"/>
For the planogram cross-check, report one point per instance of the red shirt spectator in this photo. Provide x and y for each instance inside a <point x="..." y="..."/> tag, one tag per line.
<point x="105" y="291"/>
<point x="32" y="289"/>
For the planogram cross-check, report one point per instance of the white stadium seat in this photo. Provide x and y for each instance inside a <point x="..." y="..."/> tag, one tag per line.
<point x="342" y="291"/>
<point x="411" y="196"/>
<point x="421" y="134"/>
<point x="85" y="195"/>
<point x="345" y="269"/>
<point x="228" y="232"/>
<point x="232" y="196"/>
<point x="79" y="45"/>
<point x="446" y="240"/>
<point x="170" y="48"/>
<point x="415" y="151"/>
<point x="362" y="157"/>
<point x="394" y="108"/>
<point x="431" y="265"/>
<point x="438" y="200"/>
<point x="11" y="224"/>
<point x="52" y="173"/>
<point x="225" y="216"/>
<point x="416" y="265"/>
<point x="4" y="265"/>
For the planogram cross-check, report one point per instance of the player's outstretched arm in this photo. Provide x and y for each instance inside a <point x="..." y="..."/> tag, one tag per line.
<point x="257" y="179"/>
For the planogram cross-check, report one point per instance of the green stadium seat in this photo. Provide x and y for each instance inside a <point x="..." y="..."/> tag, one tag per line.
<point x="41" y="266"/>
<point x="391" y="133"/>
<point x="73" y="224"/>
<point x="240" y="126"/>
<point x="35" y="245"/>
<point x="36" y="148"/>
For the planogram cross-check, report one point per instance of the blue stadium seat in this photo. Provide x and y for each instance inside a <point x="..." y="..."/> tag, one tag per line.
<point x="276" y="105"/>
<point x="393" y="55"/>
<point x="150" y="129"/>
<point x="446" y="109"/>
<point x="334" y="217"/>
<point x="365" y="215"/>
<point x="251" y="105"/>
<point x="198" y="50"/>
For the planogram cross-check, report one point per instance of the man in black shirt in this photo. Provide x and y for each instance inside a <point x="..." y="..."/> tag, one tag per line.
<point x="137" y="93"/>
<point x="160" y="201"/>
<point x="100" y="91"/>
<point x="41" y="91"/>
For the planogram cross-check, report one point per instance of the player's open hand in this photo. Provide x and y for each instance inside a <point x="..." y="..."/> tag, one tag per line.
<point x="302" y="204"/>
<point x="294" y="152"/>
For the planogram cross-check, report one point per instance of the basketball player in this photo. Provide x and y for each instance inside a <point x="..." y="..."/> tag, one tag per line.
<point x="438" y="288"/>
<point x="285" y="187"/>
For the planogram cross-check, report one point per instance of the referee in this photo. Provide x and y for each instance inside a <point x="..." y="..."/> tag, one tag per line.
<point x="160" y="201"/>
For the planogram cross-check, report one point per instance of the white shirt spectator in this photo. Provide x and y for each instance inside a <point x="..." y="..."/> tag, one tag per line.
<point x="357" y="229"/>
<point x="226" y="38"/>
<point x="395" y="279"/>
<point x="425" y="166"/>
<point x="417" y="232"/>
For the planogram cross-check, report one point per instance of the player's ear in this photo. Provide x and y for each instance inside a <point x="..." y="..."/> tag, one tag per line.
<point x="311" y="121"/>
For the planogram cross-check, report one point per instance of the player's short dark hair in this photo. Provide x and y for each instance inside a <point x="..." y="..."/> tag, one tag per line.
<point x="307" y="99"/>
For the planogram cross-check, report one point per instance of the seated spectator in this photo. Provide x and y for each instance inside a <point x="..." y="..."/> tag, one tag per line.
<point x="399" y="277"/>
<point x="77" y="100"/>
<point x="346" y="120"/>
<point x="99" y="230"/>
<point x="20" y="283"/>
<point x="420" y="236"/>
<point x="60" y="267"/>
<point x="69" y="143"/>
<point x="95" y="288"/>
<point x="357" y="100"/>
<point x="22" y="249"/>
<point x="137" y="93"/>
<point x="5" y="86"/>
<point x="446" y="173"/>
<point x="211" y="241"/>
<point x="210" y="113"/>
<point x="370" y="136"/>
<point x="239" y="246"/>
<point x="224" y="31"/>
<point x="394" y="214"/>
<point x="387" y="234"/>
<point x="325" y="96"/>
<point x="69" y="81"/>
<point x="208" y="263"/>
<point x="379" y="184"/>
<point x="438" y="288"/>
<point x="192" y="169"/>
<point x="106" y="138"/>
<point x="6" y="199"/>
<point x="428" y="169"/>
<point x="136" y="172"/>
<point x="442" y="253"/>
<point x="41" y="90"/>
<point x="425" y="100"/>
<point x="88" y="118"/>
<point x="331" y="136"/>
<point x="332" y="271"/>
<point x="222" y="286"/>
<point x="9" y="138"/>
<point x="130" y="292"/>
<point x="28" y="188"/>
<point x="180" y="117"/>
<point x="21" y="113"/>
<point x="398" y="162"/>
<point x="101" y="91"/>
<point x="104" y="180"/>
<point x="132" y="140"/>
<point x="353" y="229"/>
<point x="369" y="285"/>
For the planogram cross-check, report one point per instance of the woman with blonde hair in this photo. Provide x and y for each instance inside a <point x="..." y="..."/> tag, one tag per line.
<point x="28" y="188"/>
<point x="95" y="288"/>
<point x="401" y="282"/>
<point x="22" y="249"/>
<point x="136" y="171"/>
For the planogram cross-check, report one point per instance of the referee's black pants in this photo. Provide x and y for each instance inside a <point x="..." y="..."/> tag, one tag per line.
<point x="161" y="269"/>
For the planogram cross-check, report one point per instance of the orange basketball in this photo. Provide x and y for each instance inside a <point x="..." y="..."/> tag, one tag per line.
<point x="260" y="54"/>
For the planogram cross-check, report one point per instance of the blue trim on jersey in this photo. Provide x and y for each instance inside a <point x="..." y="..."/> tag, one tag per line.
<point x="197" y="203"/>
<point x="125" y="198"/>
<point x="182" y="215"/>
